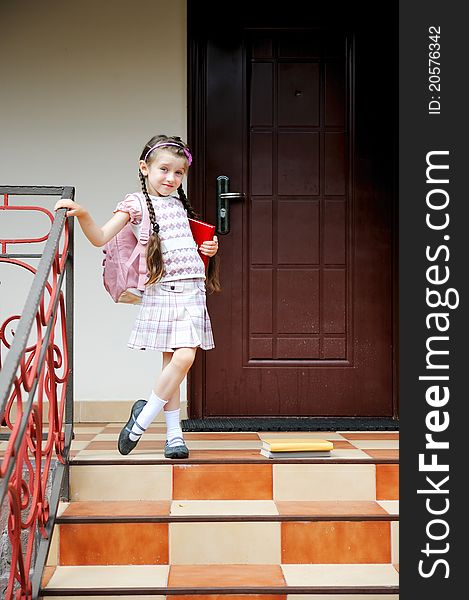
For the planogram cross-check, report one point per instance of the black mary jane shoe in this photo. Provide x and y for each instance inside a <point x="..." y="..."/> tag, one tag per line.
<point x="124" y="443"/>
<point x="180" y="451"/>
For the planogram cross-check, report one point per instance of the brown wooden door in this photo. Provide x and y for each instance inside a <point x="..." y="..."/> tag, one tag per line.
<point x="304" y="325"/>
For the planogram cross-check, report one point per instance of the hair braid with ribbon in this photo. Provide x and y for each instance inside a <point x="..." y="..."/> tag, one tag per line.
<point x="155" y="266"/>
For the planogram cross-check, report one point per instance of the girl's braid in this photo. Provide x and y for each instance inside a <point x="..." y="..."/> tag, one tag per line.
<point x="151" y="210"/>
<point x="185" y="202"/>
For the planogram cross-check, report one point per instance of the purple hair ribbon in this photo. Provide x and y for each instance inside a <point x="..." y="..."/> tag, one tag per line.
<point x="163" y="144"/>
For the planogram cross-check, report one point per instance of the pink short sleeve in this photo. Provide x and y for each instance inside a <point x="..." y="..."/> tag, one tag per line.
<point x="131" y="204"/>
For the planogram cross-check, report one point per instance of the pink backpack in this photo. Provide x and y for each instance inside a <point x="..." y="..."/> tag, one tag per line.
<point x="125" y="264"/>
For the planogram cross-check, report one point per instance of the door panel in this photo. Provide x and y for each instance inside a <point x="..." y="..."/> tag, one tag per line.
<point x="303" y="325"/>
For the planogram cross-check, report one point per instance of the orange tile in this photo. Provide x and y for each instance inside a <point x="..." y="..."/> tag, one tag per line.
<point x="343" y="445"/>
<point x="119" y="508"/>
<point x="231" y="597"/>
<point x="332" y="508"/>
<point x="370" y="436"/>
<point x="225" y="576"/>
<point x="222" y="482"/>
<point x="387" y="453"/>
<point x="336" y="542"/>
<point x="387" y="482"/>
<point x="83" y="437"/>
<point x="222" y="454"/>
<point x="114" y="544"/>
<point x="46" y="575"/>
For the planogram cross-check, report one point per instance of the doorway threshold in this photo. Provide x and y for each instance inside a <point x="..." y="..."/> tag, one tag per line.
<point x="291" y="424"/>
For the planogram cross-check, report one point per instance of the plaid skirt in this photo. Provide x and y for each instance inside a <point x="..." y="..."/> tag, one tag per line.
<point x="173" y="314"/>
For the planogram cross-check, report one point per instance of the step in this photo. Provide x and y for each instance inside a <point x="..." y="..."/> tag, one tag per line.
<point x="266" y="581"/>
<point x="229" y="466"/>
<point x="199" y="532"/>
<point x="233" y="480"/>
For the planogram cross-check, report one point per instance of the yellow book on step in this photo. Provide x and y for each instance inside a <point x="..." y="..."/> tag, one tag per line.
<point x="297" y="445"/>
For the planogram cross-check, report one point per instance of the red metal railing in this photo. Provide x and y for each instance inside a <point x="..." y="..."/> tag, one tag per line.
<point x="35" y="378"/>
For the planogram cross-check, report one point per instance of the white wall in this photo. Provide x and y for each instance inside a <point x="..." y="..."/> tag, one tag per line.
<point x="84" y="85"/>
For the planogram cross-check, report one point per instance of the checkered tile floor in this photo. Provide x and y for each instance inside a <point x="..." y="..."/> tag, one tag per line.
<point x="99" y="441"/>
<point x="321" y="526"/>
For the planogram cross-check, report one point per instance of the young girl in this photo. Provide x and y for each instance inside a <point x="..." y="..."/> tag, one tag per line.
<point x="173" y="315"/>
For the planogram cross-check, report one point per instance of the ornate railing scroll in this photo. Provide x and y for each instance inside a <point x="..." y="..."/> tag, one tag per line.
<point x="35" y="380"/>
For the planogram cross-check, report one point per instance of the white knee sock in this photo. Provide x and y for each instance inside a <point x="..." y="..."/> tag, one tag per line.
<point x="173" y="428"/>
<point x="153" y="406"/>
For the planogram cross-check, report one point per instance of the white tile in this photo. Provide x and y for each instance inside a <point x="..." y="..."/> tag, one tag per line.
<point x="224" y="543"/>
<point x="395" y="542"/>
<point x="79" y="444"/>
<point x="223" y="507"/>
<point x="390" y="506"/>
<point x="62" y="508"/>
<point x="53" y="554"/>
<point x="122" y="482"/>
<point x="340" y="575"/>
<point x="134" y="576"/>
<point x="87" y="428"/>
<point x="324" y="481"/>
<point x="376" y="444"/>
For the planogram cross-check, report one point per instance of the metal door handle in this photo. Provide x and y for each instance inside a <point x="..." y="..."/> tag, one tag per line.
<point x="223" y="203"/>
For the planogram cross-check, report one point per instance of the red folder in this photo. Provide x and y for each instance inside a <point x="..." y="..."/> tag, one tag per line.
<point x="202" y="232"/>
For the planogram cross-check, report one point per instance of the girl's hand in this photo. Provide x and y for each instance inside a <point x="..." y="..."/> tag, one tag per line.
<point x="209" y="248"/>
<point x="74" y="209"/>
<point x="98" y="236"/>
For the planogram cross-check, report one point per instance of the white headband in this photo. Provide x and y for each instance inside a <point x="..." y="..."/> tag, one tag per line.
<point x="162" y="144"/>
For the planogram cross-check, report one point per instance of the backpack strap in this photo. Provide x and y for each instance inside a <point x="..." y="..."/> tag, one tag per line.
<point x="145" y="224"/>
<point x="142" y="242"/>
